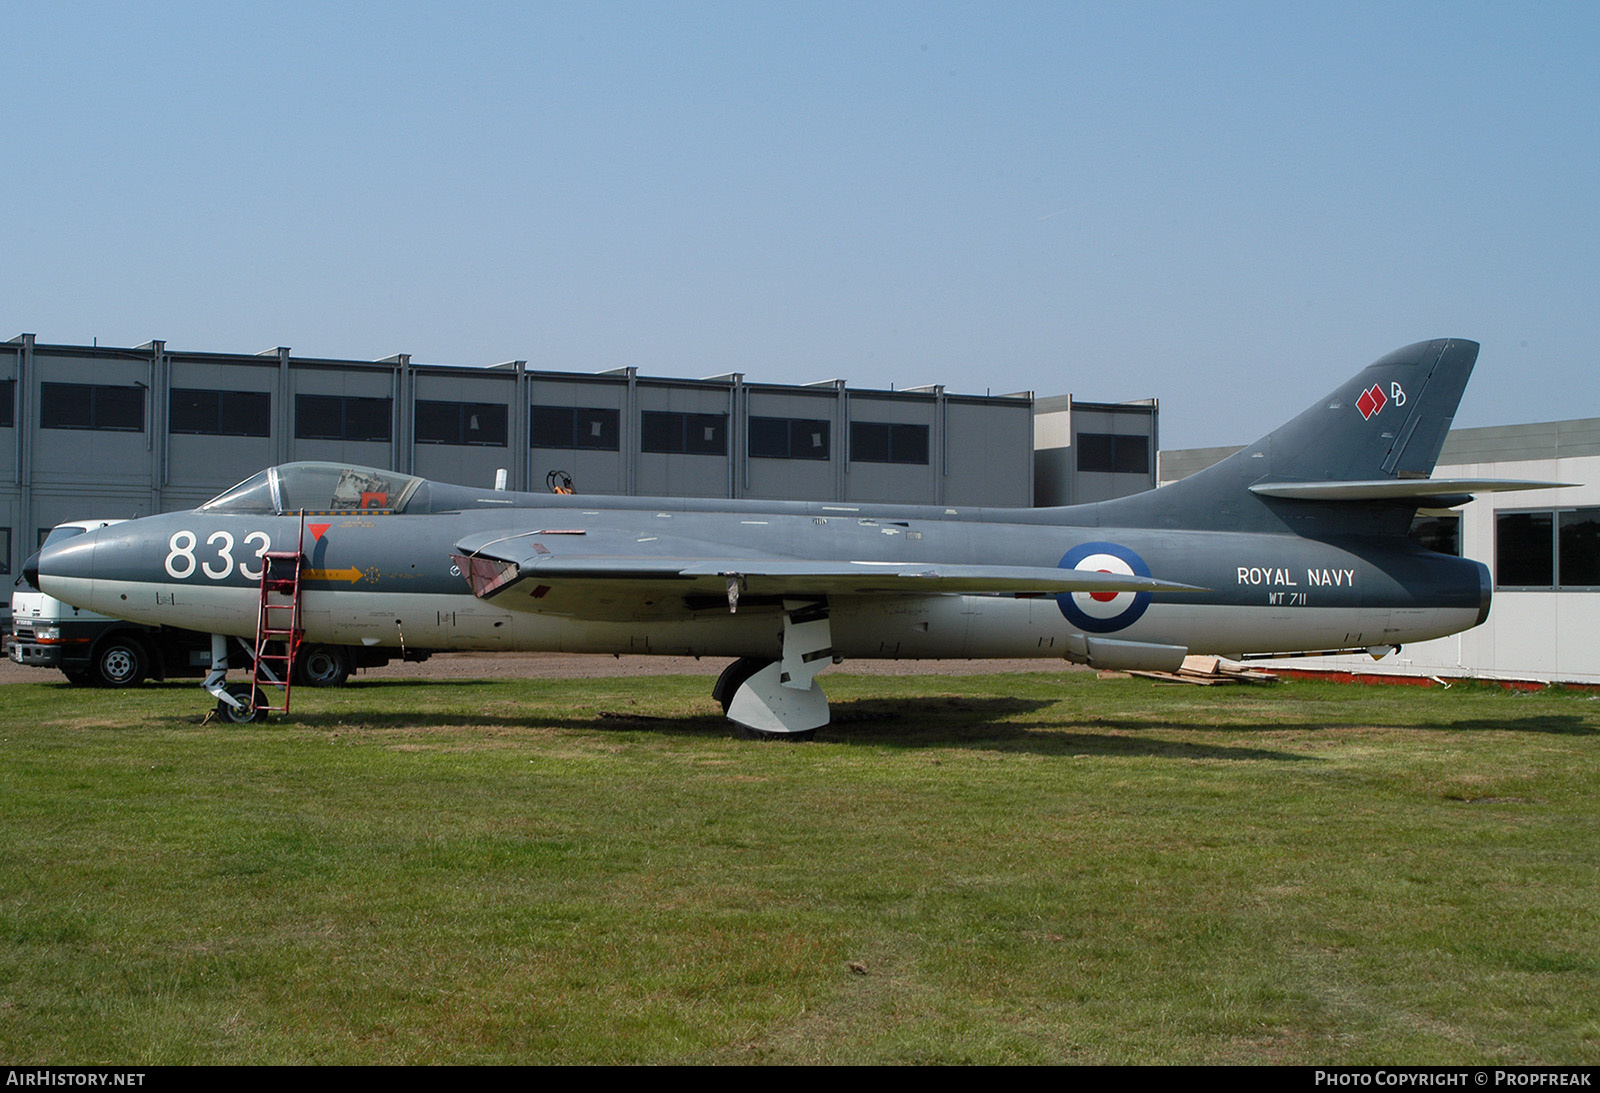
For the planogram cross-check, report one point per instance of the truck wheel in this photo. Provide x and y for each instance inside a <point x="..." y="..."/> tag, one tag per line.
<point x="246" y="714"/>
<point x="119" y="662"/>
<point x="322" y="666"/>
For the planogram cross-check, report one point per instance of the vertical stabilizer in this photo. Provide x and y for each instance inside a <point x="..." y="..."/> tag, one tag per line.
<point x="1389" y="421"/>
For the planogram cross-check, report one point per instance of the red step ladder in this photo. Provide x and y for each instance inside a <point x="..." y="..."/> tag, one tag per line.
<point x="278" y="624"/>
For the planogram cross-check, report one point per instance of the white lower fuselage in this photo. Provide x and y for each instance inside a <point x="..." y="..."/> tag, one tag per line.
<point x="863" y="627"/>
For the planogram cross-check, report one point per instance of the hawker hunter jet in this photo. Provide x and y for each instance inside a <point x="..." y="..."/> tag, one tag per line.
<point x="1297" y="543"/>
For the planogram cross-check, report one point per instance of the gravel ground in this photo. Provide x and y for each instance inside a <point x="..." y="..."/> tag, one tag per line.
<point x="592" y="666"/>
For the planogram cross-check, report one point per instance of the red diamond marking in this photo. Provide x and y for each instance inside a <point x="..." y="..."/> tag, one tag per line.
<point x="1371" y="401"/>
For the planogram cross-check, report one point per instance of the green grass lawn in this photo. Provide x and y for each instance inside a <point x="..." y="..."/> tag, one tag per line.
<point x="1016" y="868"/>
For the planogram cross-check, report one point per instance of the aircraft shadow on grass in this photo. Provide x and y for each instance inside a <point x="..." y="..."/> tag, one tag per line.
<point x="932" y="722"/>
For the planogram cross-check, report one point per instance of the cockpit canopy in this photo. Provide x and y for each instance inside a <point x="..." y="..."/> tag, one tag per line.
<point x="318" y="487"/>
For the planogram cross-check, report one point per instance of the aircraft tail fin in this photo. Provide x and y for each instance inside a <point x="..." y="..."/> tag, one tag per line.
<point x="1388" y="421"/>
<point x="1386" y="424"/>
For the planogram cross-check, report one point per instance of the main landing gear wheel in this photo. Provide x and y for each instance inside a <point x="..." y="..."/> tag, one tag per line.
<point x="322" y="666"/>
<point x="733" y="677"/>
<point x="245" y="713"/>
<point x="728" y="685"/>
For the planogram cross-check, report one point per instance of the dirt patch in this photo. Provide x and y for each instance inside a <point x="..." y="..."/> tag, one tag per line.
<point x="598" y="666"/>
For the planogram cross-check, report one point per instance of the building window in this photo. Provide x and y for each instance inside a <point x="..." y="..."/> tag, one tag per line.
<point x="788" y="438"/>
<point x="1555" y="549"/>
<point x="887" y="442"/>
<point x="8" y="403"/>
<point x="1578" y="548"/>
<point x="91" y="406"/>
<point x="478" y="424"/>
<point x="579" y="427"/>
<point x="199" y="412"/>
<point x="687" y="434"/>
<point x="5" y="551"/>
<point x="341" y="417"/>
<point x="1114" y="453"/>
<point x="1438" y="533"/>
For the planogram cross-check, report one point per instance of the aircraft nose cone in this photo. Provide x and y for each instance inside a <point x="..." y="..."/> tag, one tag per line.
<point x="60" y="565"/>
<point x="30" y="571"/>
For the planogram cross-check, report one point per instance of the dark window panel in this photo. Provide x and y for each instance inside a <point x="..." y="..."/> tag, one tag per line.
<point x="788" y="438"/>
<point x="592" y="428"/>
<point x="5" y="551"/>
<point x="366" y="419"/>
<point x="660" y="432"/>
<point x="552" y="427"/>
<point x="908" y="444"/>
<point x="438" y="422"/>
<point x="91" y="406"/>
<point x="1438" y="533"/>
<point x="869" y="441"/>
<point x="319" y="417"/>
<point x="120" y="408"/>
<point x="597" y="429"/>
<point x="705" y="434"/>
<point x="886" y="442"/>
<point x="1113" y="453"/>
<point x="220" y="413"/>
<point x="479" y="424"/>
<point x="341" y="417"/>
<point x="1096" y="452"/>
<point x="485" y="424"/>
<point x="65" y="406"/>
<point x="769" y="438"/>
<point x="8" y="404"/>
<point x="810" y="438"/>
<point x="1132" y="455"/>
<point x="1524" y="549"/>
<point x="193" y="411"/>
<point x="1580" y="548"/>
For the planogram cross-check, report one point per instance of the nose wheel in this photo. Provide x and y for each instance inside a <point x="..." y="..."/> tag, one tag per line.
<point x="250" y="708"/>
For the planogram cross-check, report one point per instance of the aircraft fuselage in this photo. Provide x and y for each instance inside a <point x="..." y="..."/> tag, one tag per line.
<point x="389" y="580"/>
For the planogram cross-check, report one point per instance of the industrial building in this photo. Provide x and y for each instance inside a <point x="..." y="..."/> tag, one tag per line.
<point x="98" y="431"/>
<point x="1541" y="546"/>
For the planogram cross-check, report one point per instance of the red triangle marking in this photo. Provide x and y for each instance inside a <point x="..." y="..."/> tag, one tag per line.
<point x="317" y="530"/>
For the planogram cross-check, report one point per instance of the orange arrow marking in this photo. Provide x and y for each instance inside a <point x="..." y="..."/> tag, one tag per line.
<point x="352" y="574"/>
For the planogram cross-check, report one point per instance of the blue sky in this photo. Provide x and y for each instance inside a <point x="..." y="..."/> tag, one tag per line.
<point x="1226" y="206"/>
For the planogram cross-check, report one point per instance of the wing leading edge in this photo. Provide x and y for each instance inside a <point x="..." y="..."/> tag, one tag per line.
<point x="520" y="577"/>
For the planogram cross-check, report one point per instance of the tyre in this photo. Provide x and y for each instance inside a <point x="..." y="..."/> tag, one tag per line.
<point x="322" y="666"/>
<point x="119" y="662"/>
<point x="78" y="677"/>
<point x="733" y="677"/>
<point x="247" y="713"/>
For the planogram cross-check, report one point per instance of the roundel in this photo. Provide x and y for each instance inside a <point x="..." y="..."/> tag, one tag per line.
<point x="1104" y="612"/>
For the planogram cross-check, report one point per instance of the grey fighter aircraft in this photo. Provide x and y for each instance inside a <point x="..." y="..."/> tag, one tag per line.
<point x="1298" y="543"/>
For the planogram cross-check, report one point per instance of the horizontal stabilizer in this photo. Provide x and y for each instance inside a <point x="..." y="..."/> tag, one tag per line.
<point x="1397" y="489"/>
